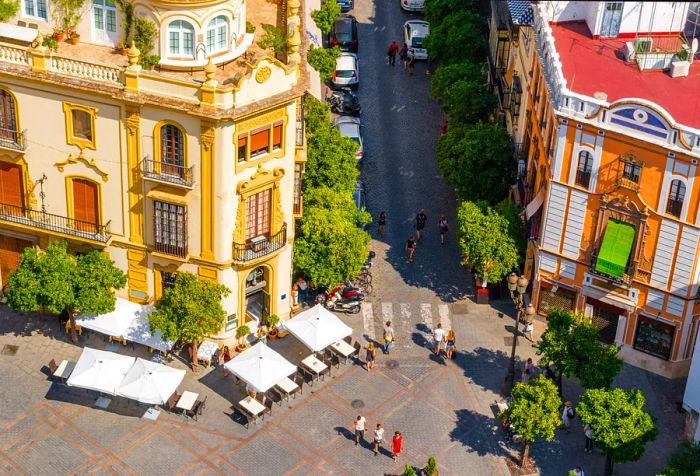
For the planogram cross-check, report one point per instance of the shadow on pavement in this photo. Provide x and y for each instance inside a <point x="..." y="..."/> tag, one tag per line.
<point x="480" y="434"/>
<point x="485" y="367"/>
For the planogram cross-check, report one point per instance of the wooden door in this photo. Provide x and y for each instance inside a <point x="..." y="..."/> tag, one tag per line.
<point x="11" y="191"/>
<point x="10" y="252"/>
<point x="85" y="208"/>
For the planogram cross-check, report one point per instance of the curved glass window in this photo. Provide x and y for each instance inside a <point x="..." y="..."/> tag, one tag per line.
<point x="180" y="39"/>
<point x="217" y="35"/>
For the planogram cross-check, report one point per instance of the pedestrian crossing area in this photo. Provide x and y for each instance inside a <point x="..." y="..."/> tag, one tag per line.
<point x="406" y="318"/>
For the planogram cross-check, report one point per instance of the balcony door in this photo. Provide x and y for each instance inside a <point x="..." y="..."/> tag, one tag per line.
<point x="11" y="192"/>
<point x="258" y="208"/>
<point x="104" y="14"/>
<point x="8" y="117"/>
<point x="612" y="17"/>
<point x="85" y="205"/>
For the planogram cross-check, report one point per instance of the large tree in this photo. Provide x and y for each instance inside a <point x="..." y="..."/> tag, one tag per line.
<point x="621" y="427"/>
<point x="460" y="36"/>
<point x="54" y="280"/>
<point x="516" y="226"/>
<point x="477" y="160"/>
<point x="323" y="60"/>
<point x="464" y="91"/>
<point x="485" y="242"/>
<point x="189" y="311"/>
<point x="533" y="412"/>
<point x="436" y="11"/>
<point x="326" y="15"/>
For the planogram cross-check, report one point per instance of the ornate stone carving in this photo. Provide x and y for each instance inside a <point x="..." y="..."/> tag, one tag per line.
<point x="263" y="74"/>
<point x="81" y="158"/>
<point x="260" y="178"/>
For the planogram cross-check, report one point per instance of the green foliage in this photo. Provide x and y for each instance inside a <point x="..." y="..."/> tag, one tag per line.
<point x="315" y="114"/>
<point x="8" y="9"/>
<point x="431" y="468"/>
<point x="485" y="242"/>
<point x="54" y="280"/>
<point x="685" y="461"/>
<point x="620" y="425"/>
<point x="67" y="13"/>
<point x="145" y="32"/>
<point x="275" y="38"/>
<point x="249" y="27"/>
<point x="149" y="61"/>
<point x="435" y="11"/>
<point x="516" y="227"/>
<point x="464" y="91"/>
<point x="323" y="60"/>
<point x="460" y="36"/>
<point x="477" y="160"/>
<point x="242" y="331"/>
<point x="190" y="310"/>
<point x="50" y="43"/>
<point x="272" y="320"/>
<point x="409" y="471"/>
<point x="534" y="410"/>
<point x="325" y="17"/>
<point x="127" y="9"/>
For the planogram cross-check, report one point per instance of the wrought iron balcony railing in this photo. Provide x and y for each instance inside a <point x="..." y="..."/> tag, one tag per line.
<point x="260" y="247"/>
<point x="12" y="139"/>
<point x="170" y="173"/>
<point x="55" y="223"/>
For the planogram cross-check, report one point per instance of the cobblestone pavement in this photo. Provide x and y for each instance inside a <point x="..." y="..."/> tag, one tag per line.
<point x="443" y="408"/>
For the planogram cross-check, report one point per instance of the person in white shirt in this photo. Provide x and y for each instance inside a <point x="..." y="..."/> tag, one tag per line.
<point x="438" y="338"/>
<point x="579" y="472"/>
<point x="378" y="438"/>
<point x="360" y="427"/>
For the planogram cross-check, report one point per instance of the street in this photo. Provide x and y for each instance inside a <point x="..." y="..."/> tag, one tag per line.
<point x="443" y="408"/>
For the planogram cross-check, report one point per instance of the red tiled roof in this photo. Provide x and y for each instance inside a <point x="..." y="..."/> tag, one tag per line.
<point x="592" y="65"/>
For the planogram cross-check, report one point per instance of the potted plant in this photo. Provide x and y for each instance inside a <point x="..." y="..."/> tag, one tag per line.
<point x="66" y="13"/>
<point x="127" y="9"/>
<point x="58" y="34"/>
<point x="8" y="9"/>
<point x="122" y="49"/>
<point x="409" y="471"/>
<point x="431" y="468"/>
<point x="272" y="321"/>
<point x="149" y="61"/>
<point x="145" y="31"/>
<point x="50" y="42"/>
<point x="241" y="334"/>
<point x="73" y="37"/>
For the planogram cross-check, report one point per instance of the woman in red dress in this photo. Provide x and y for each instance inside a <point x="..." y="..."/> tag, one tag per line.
<point x="396" y="445"/>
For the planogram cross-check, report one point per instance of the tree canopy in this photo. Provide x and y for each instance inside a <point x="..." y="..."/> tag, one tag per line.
<point x="534" y="411"/>
<point x="685" y="461"/>
<point x="460" y="36"/>
<point x="484" y="241"/>
<point x="325" y="16"/>
<point x="323" y="60"/>
<point x="476" y="159"/>
<point x="621" y="427"/>
<point x="464" y="91"/>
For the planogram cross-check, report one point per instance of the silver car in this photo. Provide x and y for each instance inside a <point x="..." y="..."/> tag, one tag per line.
<point x="346" y="73"/>
<point x="351" y="128"/>
<point x="415" y="32"/>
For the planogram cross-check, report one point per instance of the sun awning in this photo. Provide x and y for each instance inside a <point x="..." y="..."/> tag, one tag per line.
<point x="535" y="204"/>
<point x="139" y="331"/>
<point x="616" y="248"/>
<point x="317" y="328"/>
<point x="260" y="367"/>
<point x="100" y="370"/>
<point x="113" y="323"/>
<point x="150" y="382"/>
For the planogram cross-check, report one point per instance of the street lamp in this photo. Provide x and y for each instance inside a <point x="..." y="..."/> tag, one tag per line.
<point x="517" y="287"/>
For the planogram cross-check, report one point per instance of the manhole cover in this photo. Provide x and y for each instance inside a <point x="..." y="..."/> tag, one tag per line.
<point x="509" y="341"/>
<point x="9" y="349"/>
<point x="392" y="364"/>
<point x="357" y="404"/>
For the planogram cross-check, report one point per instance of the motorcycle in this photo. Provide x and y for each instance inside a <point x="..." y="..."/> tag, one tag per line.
<point x="343" y="291"/>
<point x="350" y="305"/>
<point x="344" y="101"/>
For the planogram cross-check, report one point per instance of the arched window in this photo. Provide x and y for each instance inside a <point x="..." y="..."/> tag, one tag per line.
<point x="180" y="39"/>
<point x="172" y="150"/>
<point x="674" y="204"/>
<point x="585" y="166"/>
<point x="217" y="35"/>
<point x="8" y="119"/>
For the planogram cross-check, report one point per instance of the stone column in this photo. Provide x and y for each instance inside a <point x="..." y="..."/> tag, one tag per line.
<point x="293" y="30"/>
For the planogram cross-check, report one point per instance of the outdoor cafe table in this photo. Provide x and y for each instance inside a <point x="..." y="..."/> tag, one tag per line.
<point x="64" y="370"/>
<point x="287" y="386"/>
<point x="252" y="406"/>
<point x="314" y="365"/>
<point x="206" y="351"/>
<point x="187" y="400"/>
<point x="343" y="348"/>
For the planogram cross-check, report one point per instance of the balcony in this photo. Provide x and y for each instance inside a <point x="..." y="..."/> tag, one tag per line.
<point x="583" y="178"/>
<point x="13" y="140"/>
<point x="657" y="51"/>
<point x="259" y="247"/>
<point x="674" y="207"/>
<point x="168" y="173"/>
<point x="55" y="223"/>
<point x="625" y="279"/>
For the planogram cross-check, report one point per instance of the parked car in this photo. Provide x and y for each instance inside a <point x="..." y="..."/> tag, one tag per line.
<point x="413" y="5"/>
<point x="346" y="72"/>
<point x="351" y="128"/>
<point x="415" y="32"/>
<point x="345" y="5"/>
<point x="344" y="33"/>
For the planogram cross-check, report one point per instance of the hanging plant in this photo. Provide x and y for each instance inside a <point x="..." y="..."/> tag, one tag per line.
<point x="127" y="9"/>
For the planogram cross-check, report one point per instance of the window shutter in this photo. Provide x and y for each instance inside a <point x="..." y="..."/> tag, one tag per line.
<point x="85" y="204"/>
<point x="259" y="141"/>
<point x="277" y="136"/>
<point x="10" y="184"/>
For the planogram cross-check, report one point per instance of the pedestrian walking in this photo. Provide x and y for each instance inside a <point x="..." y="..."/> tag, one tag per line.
<point x="378" y="438"/>
<point x="391" y="52"/>
<point x="389" y="337"/>
<point x="295" y="295"/>
<point x="371" y="356"/>
<point x="360" y="425"/>
<point x="526" y="376"/>
<point x="403" y="56"/>
<point x="381" y="222"/>
<point x="411" y="62"/>
<point x="527" y="330"/>
<point x="567" y="415"/>
<point x="419" y="223"/>
<point x="529" y="365"/>
<point x="450" y="344"/>
<point x="396" y="445"/>
<point x="226" y="356"/>
<point x="410" y="248"/>
<point x="303" y="287"/>
<point x="579" y="472"/>
<point x="438" y="338"/>
<point x="443" y="227"/>
<point x="588" y="433"/>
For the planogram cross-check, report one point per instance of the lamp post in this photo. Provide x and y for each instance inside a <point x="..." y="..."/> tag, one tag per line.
<point x="517" y="287"/>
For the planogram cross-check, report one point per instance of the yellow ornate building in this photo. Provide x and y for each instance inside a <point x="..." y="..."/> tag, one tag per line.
<point x="194" y="166"/>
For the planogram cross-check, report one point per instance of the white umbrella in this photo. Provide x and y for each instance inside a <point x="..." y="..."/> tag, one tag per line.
<point x="260" y="367"/>
<point x="149" y="382"/>
<point x="113" y="323"/>
<point x="139" y="331"/>
<point x="317" y="328"/>
<point x="100" y="370"/>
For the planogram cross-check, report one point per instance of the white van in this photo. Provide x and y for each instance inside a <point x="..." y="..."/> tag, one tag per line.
<point x="415" y="31"/>
<point x="413" y="5"/>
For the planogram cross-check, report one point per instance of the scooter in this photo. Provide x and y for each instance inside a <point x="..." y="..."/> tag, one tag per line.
<point x="350" y="305"/>
<point x="345" y="102"/>
<point x="343" y="291"/>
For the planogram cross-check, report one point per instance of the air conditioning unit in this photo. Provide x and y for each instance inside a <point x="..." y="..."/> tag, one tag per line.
<point x="258" y="243"/>
<point x="630" y="54"/>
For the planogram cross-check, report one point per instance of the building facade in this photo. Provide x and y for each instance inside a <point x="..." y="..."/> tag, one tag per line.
<point x="612" y="136"/>
<point x="194" y="167"/>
